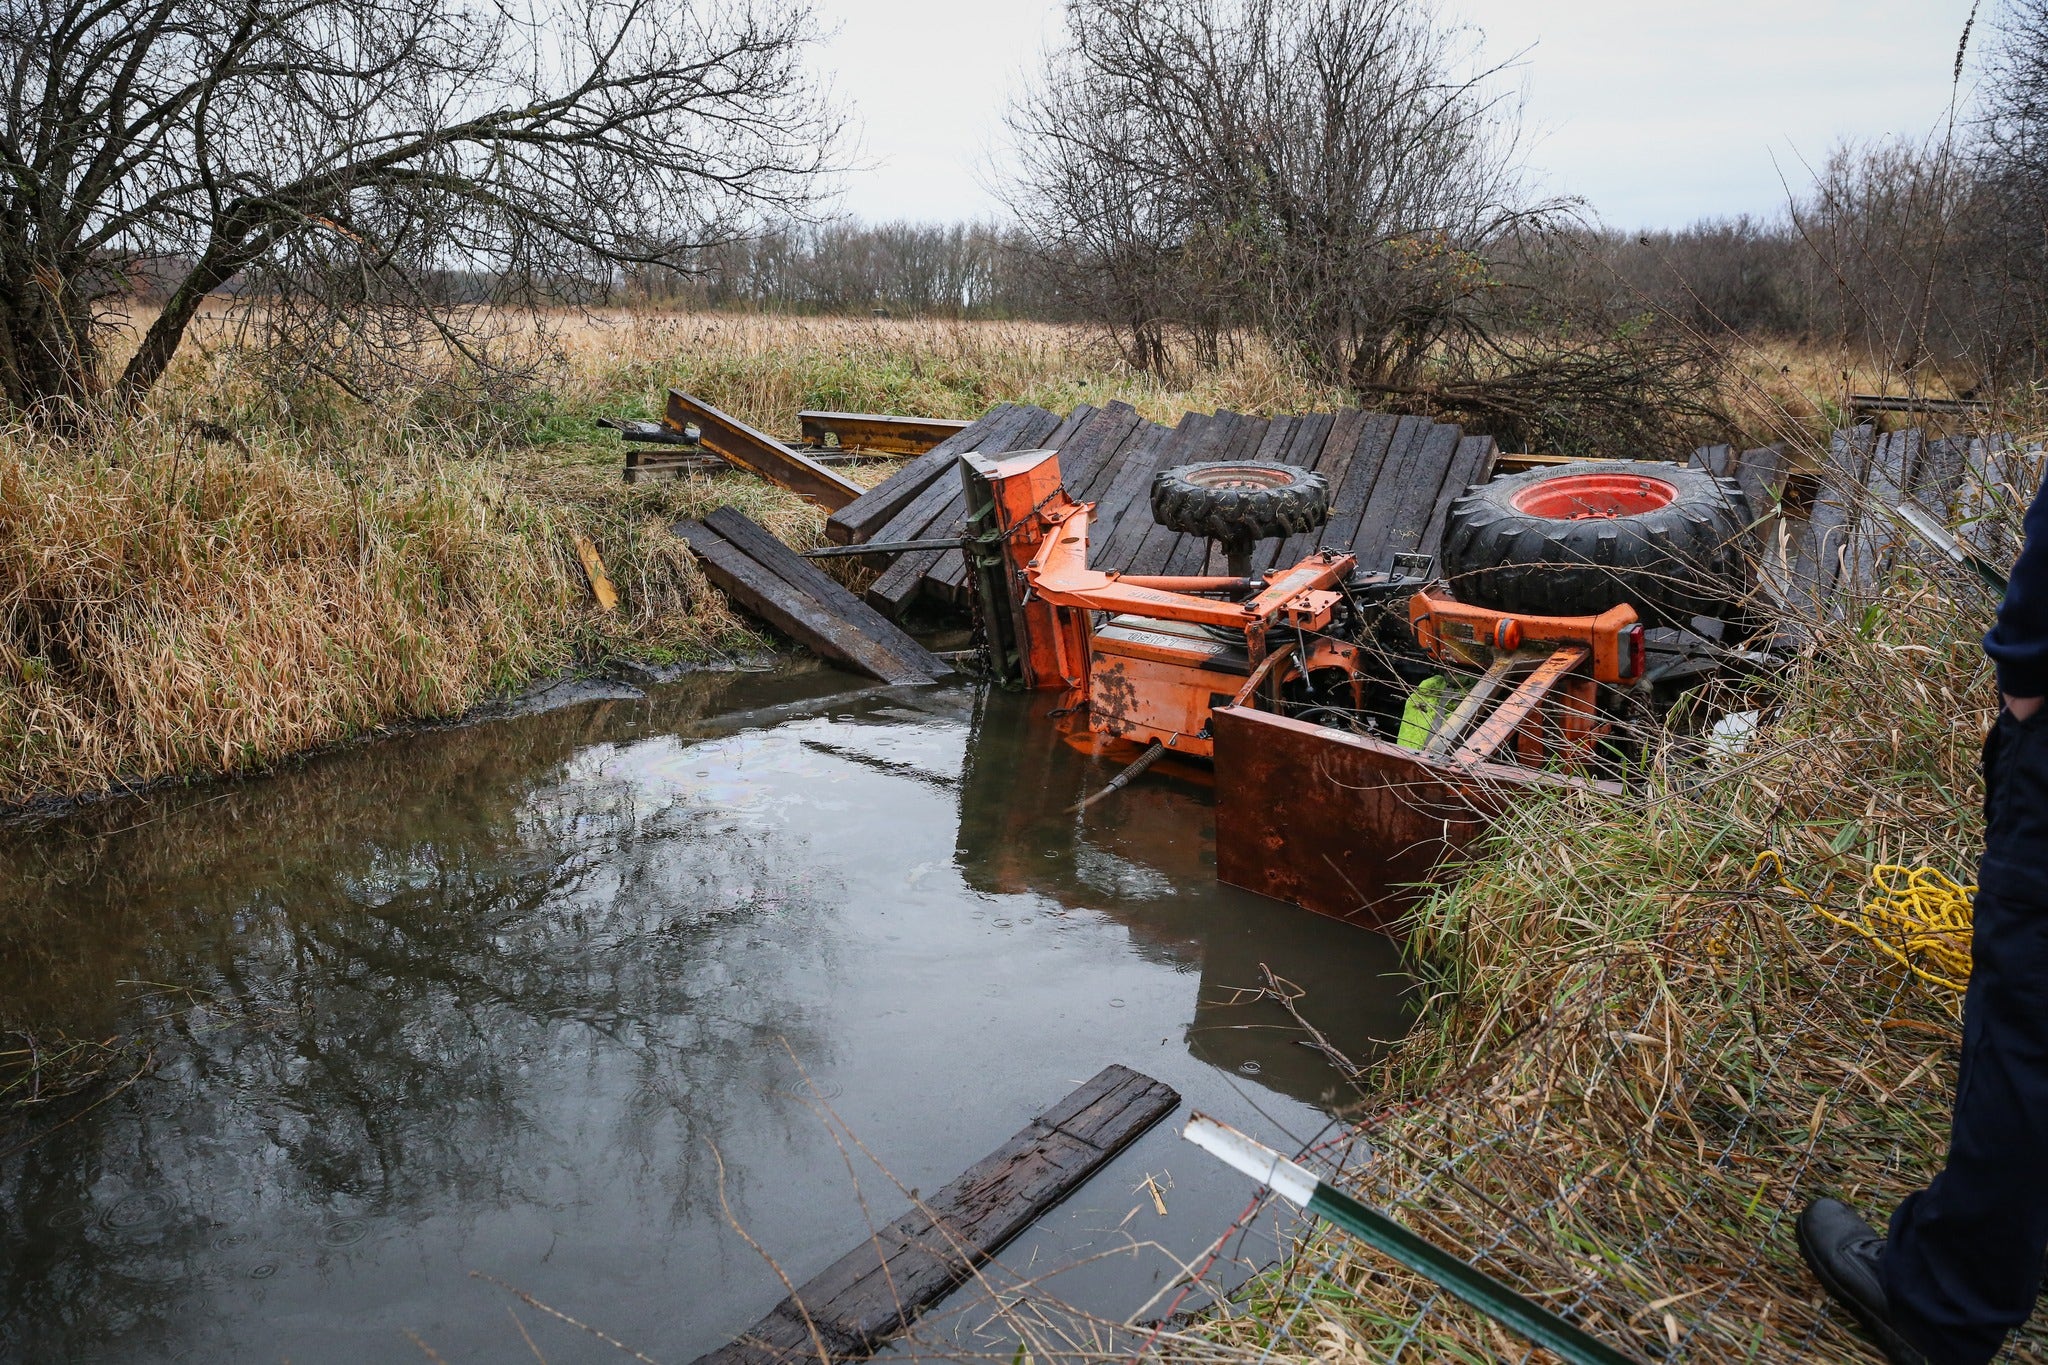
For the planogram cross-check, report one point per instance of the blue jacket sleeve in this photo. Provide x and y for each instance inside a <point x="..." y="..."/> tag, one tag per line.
<point x="2018" y="644"/>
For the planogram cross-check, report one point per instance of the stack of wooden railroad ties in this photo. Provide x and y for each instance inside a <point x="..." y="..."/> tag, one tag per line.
<point x="1825" y="536"/>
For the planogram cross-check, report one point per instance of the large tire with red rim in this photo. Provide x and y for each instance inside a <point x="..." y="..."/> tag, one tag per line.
<point x="1239" y="503"/>
<point x="1577" y="539"/>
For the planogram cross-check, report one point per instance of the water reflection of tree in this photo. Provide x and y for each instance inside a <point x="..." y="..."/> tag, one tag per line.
<point x="391" y="948"/>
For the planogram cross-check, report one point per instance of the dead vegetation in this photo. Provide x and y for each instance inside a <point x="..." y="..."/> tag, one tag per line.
<point x="1644" y="1053"/>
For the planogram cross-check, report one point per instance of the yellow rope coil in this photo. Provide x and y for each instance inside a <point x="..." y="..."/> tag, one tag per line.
<point x="1916" y="916"/>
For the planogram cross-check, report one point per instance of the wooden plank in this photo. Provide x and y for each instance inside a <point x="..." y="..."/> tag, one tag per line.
<point x="1880" y="402"/>
<point x="1716" y="460"/>
<point x="789" y="609"/>
<point x="601" y="589"/>
<point x="1150" y="554"/>
<point x="1124" y="515"/>
<point x="1305" y="449"/>
<point x="1987" y="507"/>
<point x="900" y="583"/>
<point x="1379" y="433"/>
<point x="947" y="578"/>
<point x="1474" y="456"/>
<point x="860" y="519"/>
<point x="1876" y="536"/>
<point x="879" y="1289"/>
<point x="822" y="588"/>
<point x="1097" y="442"/>
<point x="1761" y="474"/>
<point x="918" y="515"/>
<point x="909" y="576"/>
<point x="1413" y="497"/>
<point x="883" y="432"/>
<point x="1143" y="437"/>
<point x="1940" y="473"/>
<point x="1817" y="553"/>
<point x="761" y="454"/>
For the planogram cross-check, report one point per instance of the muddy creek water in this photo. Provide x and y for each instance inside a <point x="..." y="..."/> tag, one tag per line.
<point x="498" y="1000"/>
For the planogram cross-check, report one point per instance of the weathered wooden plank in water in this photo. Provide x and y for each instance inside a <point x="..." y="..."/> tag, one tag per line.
<point x="1716" y="460"/>
<point x="791" y="610"/>
<point x="858" y="521"/>
<point x="1132" y="460"/>
<point x="1940" y="472"/>
<point x="1871" y="487"/>
<point x="822" y="588"/>
<point x="876" y="1291"/>
<point x="1761" y="474"/>
<point x="1111" y="461"/>
<point x="1305" y="449"/>
<point x="1378" y="436"/>
<point x="760" y="454"/>
<point x="1095" y="444"/>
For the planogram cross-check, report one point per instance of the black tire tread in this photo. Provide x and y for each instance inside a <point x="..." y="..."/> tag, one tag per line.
<point x="1671" y="563"/>
<point x="1240" y="516"/>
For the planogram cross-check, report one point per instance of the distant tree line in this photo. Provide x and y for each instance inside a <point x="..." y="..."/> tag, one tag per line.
<point x="977" y="270"/>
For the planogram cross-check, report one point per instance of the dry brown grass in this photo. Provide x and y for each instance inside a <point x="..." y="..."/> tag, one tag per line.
<point x="1642" y="1058"/>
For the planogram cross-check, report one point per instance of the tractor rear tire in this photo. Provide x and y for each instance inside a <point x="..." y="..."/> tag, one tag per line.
<point x="1239" y="503"/>
<point x="1578" y="539"/>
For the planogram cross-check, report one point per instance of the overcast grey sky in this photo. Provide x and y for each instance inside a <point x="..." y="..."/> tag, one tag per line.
<point x="1656" y="113"/>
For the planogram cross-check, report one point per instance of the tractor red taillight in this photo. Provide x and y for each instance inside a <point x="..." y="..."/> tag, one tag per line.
<point x="1632" y="648"/>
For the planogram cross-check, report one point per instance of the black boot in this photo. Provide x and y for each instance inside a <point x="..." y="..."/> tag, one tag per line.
<point x="1843" y="1251"/>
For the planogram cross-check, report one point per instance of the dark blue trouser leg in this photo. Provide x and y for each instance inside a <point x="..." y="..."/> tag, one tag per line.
<point x="1964" y="1260"/>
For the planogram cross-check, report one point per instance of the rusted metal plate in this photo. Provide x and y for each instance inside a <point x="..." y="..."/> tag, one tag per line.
<point x="760" y="454"/>
<point x="1337" y="823"/>
<point x="880" y="432"/>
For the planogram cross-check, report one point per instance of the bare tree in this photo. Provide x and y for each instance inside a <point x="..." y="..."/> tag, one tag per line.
<point x="1335" y="172"/>
<point x="373" y="171"/>
<point x="2013" y="173"/>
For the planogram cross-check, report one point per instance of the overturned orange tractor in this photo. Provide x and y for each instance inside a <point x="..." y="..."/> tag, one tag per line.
<point x="1363" y="723"/>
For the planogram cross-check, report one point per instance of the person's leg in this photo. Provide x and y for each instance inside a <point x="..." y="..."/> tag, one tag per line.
<point x="1963" y="1262"/>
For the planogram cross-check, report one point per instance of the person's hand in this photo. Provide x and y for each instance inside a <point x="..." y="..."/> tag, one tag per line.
<point x="2022" y="707"/>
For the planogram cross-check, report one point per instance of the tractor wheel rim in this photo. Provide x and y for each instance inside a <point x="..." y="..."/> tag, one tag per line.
<point x="1239" y="476"/>
<point x="1579" y="497"/>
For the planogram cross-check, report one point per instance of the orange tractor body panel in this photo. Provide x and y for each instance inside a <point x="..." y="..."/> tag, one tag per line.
<point x="1204" y="676"/>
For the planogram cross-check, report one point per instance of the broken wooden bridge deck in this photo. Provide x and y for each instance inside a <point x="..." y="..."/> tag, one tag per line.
<point x="1391" y="481"/>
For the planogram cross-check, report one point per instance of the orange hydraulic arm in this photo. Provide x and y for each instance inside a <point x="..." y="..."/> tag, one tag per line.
<point x="1044" y="538"/>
